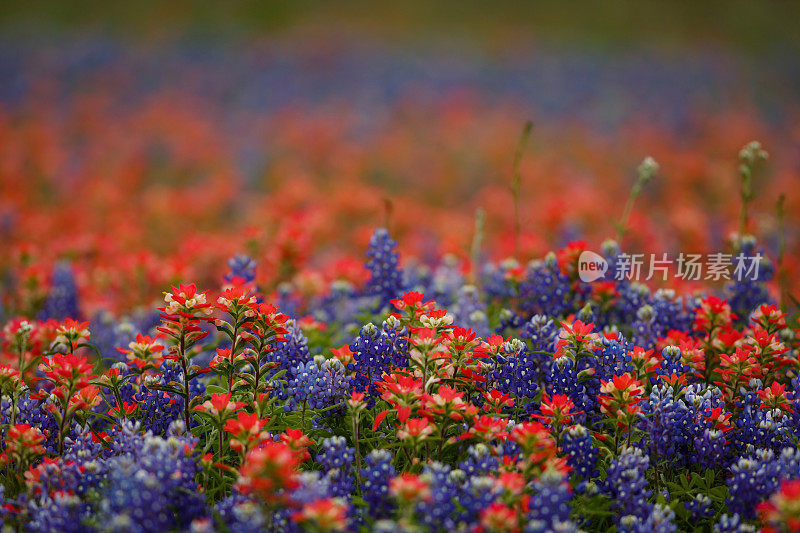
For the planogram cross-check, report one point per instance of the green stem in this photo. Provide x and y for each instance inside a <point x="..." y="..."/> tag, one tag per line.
<point x="408" y="456"/>
<point x="517" y="182"/>
<point x="233" y="353"/>
<point x="358" y="453"/>
<point x="626" y="213"/>
<point x="185" y="368"/>
<point x="13" y="407"/>
<point x="119" y="402"/>
<point x="63" y="422"/>
<point x="645" y="171"/>
<point x="258" y="379"/>
<point x="441" y="440"/>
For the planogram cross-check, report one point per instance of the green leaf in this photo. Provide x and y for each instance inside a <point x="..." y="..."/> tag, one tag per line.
<point x="168" y="388"/>
<point x="104" y="416"/>
<point x="709" y="478"/>
<point x="215" y="389"/>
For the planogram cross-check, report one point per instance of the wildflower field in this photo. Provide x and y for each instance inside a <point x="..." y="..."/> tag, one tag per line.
<point x="297" y="287"/>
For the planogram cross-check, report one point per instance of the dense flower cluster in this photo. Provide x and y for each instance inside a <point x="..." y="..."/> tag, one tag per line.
<point x="489" y="397"/>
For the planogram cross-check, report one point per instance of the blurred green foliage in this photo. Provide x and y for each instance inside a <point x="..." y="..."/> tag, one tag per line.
<point x="745" y="24"/>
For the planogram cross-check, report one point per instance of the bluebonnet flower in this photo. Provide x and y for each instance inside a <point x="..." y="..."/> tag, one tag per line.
<point x="302" y="386"/>
<point x="542" y="334"/>
<point x="438" y="514"/>
<point x="124" y="438"/>
<point x="545" y="290"/>
<point x="470" y="312"/>
<point x="564" y="379"/>
<point x="496" y="282"/>
<point x="375" y="351"/>
<point x="340" y="306"/>
<point x="612" y="359"/>
<point x="660" y="520"/>
<point x="311" y="487"/>
<point x="292" y="352"/>
<point x="747" y="290"/>
<point x="794" y="416"/>
<point x="62" y="298"/>
<point x="397" y="336"/>
<point x="516" y="372"/>
<point x="581" y="454"/>
<point x="671" y="312"/>
<point x="699" y="507"/>
<point x="665" y="421"/>
<point x="645" y="331"/>
<point x="317" y="384"/>
<point x="445" y="281"/>
<point x="733" y="524"/>
<point x="392" y="526"/>
<point x="337" y="459"/>
<point x="375" y="477"/>
<point x="60" y="511"/>
<point x="702" y="399"/>
<point x="109" y="334"/>
<point x="34" y="412"/>
<point x="631" y="296"/>
<point x="611" y="251"/>
<point x="510" y="322"/>
<point x="144" y="320"/>
<point x="241" y="266"/>
<point x="479" y="461"/>
<point x="626" y="484"/>
<point x="757" y="427"/>
<point x="749" y="474"/>
<point x="661" y="312"/>
<point x="240" y="513"/>
<point x="288" y="300"/>
<point x="537" y="526"/>
<point x="3" y="509"/>
<point x="474" y="495"/>
<point x="549" y="504"/>
<point x="710" y="448"/>
<point x="671" y="362"/>
<point x="417" y="276"/>
<point x="81" y="448"/>
<point x="153" y="487"/>
<point x="755" y="477"/>
<point x="386" y="279"/>
<point x="581" y="379"/>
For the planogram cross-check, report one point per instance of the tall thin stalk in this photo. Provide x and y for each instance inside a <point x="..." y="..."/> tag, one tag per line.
<point x="516" y="182"/>
<point x="645" y="172"/>
<point x="749" y="157"/>
<point x="475" y="249"/>
<point x="782" y="281"/>
<point x="388" y="209"/>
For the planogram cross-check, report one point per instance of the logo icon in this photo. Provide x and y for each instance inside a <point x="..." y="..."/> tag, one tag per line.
<point x="591" y="266"/>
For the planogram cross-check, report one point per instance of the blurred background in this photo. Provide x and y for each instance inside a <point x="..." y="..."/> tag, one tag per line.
<point x="146" y="142"/>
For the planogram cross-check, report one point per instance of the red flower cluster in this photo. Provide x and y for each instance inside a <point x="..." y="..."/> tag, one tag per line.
<point x="23" y="443"/>
<point x="268" y="471"/>
<point x="620" y="399"/>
